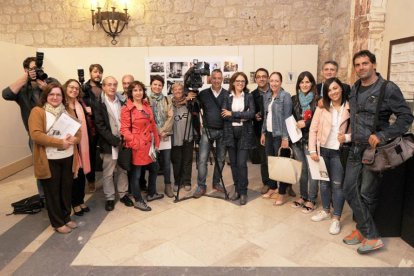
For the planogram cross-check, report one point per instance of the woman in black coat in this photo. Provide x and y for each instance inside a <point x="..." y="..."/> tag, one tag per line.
<point x="238" y="113"/>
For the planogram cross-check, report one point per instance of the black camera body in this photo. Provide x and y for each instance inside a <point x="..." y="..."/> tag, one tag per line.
<point x="193" y="79"/>
<point x="81" y="76"/>
<point x="40" y="74"/>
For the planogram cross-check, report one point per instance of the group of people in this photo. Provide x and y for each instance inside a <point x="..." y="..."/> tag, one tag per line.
<point x="244" y="124"/>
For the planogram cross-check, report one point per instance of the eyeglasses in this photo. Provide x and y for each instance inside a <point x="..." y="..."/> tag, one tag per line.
<point x="240" y="81"/>
<point x="54" y="95"/>
<point x="73" y="87"/>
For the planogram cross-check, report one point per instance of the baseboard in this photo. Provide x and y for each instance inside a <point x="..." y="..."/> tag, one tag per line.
<point x="15" y="167"/>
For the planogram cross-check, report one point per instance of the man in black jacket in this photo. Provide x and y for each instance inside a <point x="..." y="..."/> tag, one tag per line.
<point x="330" y="70"/>
<point x="92" y="92"/>
<point x="211" y="101"/>
<point x="361" y="186"/>
<point x="108" y="123"/>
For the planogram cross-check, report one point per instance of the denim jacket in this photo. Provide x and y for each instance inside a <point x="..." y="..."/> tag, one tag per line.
<point x="363" y="107"/>
<point x="281" y="110"/>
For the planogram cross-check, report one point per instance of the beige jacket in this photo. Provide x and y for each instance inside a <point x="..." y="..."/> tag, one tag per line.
<point x="167" y="127"/>
<point x="37" y="131"/>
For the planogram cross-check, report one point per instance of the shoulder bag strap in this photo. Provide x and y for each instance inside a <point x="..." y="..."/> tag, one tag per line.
<point x="380" y="99"/>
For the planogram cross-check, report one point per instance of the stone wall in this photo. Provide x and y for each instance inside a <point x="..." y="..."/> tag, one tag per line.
<point x="67" y="23"/>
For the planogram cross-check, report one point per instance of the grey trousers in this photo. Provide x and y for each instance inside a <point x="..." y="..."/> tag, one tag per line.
<point x="111" y="173"/>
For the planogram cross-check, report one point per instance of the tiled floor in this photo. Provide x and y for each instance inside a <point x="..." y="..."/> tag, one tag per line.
<point x="186" y="238"/>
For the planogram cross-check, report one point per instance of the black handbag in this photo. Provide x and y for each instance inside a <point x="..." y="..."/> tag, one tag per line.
<point x="394" y="153"/>
<point x="125" y="153"/>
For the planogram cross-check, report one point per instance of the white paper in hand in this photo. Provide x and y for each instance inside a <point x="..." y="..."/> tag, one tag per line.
<point x="295" y="133"/>
<point x="318" y="169"/>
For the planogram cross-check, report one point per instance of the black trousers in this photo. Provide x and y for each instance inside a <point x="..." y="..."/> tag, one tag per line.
<point x="93" y="156"/>
<point x="182" y="161"/>
<point x="78" y="189"/>
<point x="58" y="191"/>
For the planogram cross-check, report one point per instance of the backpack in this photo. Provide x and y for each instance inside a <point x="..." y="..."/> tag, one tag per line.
<point x="30" y="205"/>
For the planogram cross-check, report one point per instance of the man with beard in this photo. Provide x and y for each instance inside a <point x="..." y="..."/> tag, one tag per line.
<point x="92" y="92"/>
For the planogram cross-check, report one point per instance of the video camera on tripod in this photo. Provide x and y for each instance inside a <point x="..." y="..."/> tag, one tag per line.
<point x="81" y="76"/>
<point x="193" y="78"/>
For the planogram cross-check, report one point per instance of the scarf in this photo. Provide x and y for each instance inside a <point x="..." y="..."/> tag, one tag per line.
<point x="305" y="100"/>
<point x="84" y="161"/>
<point x="54" y="110"/>
<point x="160" y="114"/>
<point x="179" y="102"/>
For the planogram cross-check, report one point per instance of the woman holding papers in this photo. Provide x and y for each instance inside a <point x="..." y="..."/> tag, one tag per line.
<point x="327" y="132"/>
<point x="140" y="132"/>
<point x="278" y="107"/>
<point x="73" y="93"/>
<point x="55" y="159"/>
<point x="238" y="113"/>
<point x="304" y="104"/>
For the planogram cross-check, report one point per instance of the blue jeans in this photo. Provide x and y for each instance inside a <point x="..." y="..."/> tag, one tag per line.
<point x="361" y="189"/>
<point x="332" y="190"/>
<point x="166" y="163"/>
<point x="204" y="150"/>
<point x="152" y="179"/>
<point x="308" y="186"/>
<point x="238" y="162"/>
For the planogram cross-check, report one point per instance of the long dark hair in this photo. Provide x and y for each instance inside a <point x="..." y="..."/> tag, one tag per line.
<point x="46" y="91"/>
<point x="311" y="79"/>
<point x="233" y="79"/>
<point x="326" y="100"/>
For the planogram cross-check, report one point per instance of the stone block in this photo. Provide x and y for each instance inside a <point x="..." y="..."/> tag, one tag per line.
<point x="24" y="38"/>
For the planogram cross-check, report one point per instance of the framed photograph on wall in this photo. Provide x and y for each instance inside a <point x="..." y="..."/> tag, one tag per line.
<point x="401" y="65"/>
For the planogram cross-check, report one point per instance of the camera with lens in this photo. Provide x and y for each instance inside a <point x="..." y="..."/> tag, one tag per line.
<point x="81" y="76"/>
<point x="40" y="74"/>
<point x="193" y="78"/>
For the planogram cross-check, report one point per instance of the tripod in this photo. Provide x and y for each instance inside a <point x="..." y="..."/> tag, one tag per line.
<point x="212" y="149"/>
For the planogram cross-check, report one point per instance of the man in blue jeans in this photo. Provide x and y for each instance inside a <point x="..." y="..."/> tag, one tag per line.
<point x="361" y="186"/>
<point x="211" y="101"/>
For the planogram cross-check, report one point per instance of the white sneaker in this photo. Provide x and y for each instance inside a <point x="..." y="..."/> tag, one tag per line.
<point x="321" y="215"/>
<point x="335" y="227"/>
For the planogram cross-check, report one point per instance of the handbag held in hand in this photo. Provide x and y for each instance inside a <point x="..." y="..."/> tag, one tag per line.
<point x="284" y="169"/>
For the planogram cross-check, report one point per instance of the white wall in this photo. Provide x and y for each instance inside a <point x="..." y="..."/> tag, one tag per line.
<point x="13" y="138"/>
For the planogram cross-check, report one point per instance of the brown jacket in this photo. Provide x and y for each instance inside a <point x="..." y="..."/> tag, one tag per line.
<point x="37" y="131"/>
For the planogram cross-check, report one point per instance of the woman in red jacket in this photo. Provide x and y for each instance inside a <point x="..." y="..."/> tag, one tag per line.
<point x="139" y="131"/>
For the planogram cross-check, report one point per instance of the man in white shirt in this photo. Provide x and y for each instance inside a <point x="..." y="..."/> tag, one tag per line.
<point x="108" y="124"/>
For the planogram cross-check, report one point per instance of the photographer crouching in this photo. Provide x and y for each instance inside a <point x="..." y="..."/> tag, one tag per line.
<point x="25" y="91"/>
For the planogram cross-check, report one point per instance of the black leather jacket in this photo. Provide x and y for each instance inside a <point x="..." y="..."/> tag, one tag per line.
<point x="297" y="113"/>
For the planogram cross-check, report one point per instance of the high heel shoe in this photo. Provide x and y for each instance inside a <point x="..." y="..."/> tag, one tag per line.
<point x="85" y="208"/>
<point x="78" y="211"/>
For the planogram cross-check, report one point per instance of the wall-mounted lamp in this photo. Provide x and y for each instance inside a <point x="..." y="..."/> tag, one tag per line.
<point x="112" y="22"/>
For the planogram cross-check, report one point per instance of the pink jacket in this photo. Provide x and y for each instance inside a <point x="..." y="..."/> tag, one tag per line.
<point x="143" y="128"/>
<point x="321" y="127"/>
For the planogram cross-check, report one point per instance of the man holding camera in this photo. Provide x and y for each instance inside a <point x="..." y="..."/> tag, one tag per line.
<point x="25" y="91"/>
<point x="92" y="92"/>
<point x="211" y="101"/>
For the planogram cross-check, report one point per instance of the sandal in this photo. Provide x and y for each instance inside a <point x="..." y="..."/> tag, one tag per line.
<point x="298" y="203"/>
<point x="269" y="194"/>
<point x="309" y="207"/>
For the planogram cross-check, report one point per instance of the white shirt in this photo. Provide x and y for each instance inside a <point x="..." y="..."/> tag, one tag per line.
<point x="216" y="93"/>
<point x="115" y="107"/>
<point x="237" y="106"/>
<point x="332" y="140"/>
<point x="269" y="126"/>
